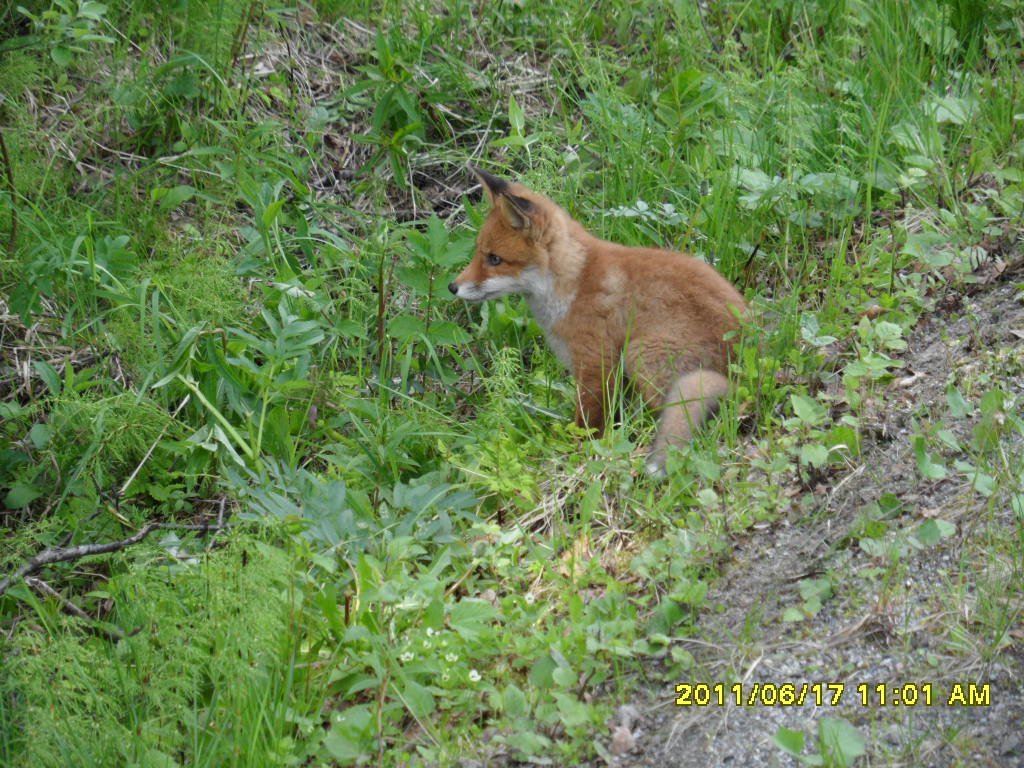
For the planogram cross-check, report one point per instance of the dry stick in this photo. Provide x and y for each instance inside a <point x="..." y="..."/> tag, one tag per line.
<point x="41" y="586"/>
<point x="12" y="240"/>
<point x="703" y="22"/>
<point x="120" y="494"/>
<point x="109" y="632"/>
<point x="220" y="521"/>
<point x="238" y="44"/>
<point x="62" y="554"/>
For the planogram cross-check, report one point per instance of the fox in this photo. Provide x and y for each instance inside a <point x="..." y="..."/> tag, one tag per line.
<point x="664" y="316"/>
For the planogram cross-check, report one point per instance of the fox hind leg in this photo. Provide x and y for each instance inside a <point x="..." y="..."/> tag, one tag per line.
<point x="691" y="399"/>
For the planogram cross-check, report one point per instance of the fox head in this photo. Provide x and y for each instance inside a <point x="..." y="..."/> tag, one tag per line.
<point x="513" y="246"/>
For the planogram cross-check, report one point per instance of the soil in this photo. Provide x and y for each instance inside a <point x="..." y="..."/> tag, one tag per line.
<point x="913" y="619"/>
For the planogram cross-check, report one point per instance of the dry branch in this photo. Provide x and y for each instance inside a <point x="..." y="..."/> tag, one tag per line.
<point x="63" y="554"/>
<point x="110" y="632"/>
<point x="12" y="238"/>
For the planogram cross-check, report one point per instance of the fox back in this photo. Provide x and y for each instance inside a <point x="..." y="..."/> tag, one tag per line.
<point x="665" y="315"/>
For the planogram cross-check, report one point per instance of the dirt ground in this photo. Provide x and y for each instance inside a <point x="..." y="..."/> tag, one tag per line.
<point x="909" y="624"/>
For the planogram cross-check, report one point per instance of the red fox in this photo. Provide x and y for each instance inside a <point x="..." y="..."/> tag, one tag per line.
<point x="662" y="313"/>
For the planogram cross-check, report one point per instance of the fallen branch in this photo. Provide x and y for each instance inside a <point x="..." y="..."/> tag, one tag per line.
<point x="94" y="625"/>
<point x="152" y="447"/>
<point x="110" y="632"/>
<point x="63" y="554"/>
<point x="12" y="238"/>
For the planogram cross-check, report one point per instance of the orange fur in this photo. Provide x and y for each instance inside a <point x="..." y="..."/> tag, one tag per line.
<point x="663" y="314"/>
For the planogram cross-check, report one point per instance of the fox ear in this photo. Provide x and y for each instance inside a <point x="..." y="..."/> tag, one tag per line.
<point x="518" y="211"/>
<point x="493" y="186"/>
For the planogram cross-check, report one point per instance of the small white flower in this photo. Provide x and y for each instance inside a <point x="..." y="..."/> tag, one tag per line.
<point x="451" y="658"/>
<point x="406" y="657"/>
<point x="430" y="631"/>
<point x="530" y="598"/>
<point x="474" y="676"/>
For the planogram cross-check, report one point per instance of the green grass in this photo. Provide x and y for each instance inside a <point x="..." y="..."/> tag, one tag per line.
<point x="235" y="226"/>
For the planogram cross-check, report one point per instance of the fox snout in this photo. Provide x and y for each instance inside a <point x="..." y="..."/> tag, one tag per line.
<point x="467" y="290"/>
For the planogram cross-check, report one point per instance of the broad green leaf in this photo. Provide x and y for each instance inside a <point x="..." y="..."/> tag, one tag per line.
<point x="21" y="495"/>
<point x="541" y="672"/>
<point x="952" y="109"/>
<point x="470" y="618"/>
<point x="271" y="212"/>
<point x="573" y="713"/>
<point x="40" y="435"/>
<point x="931" y="532"/>
<point x="811" y="331"/>
<point x="876" y="547"/>
<point x="61" y="54"/>
<point x="350" y="738"/>
<point x="405" y="327"/>
<point x="792" y="615"/>
<point x="926" y="465"/>
<point x="840" y="742"/>
<point x="948" y="439"/>
<point x="447" y="333"/>
<point x="789" y="741"/>
<point x="418" y="699"/>
<point x="171" y="198"/>
<point x="437" y="236"/>
<point x="814" y="454"/>
<point x="816" y="589"/>
<point x="984" y="484"/>
<point x="49" y="376"/>
<point x="514" y="702"/>
<point x="958" y="406"/>
<point x="843" y="440"/>
<point x="931" y="248"/>
<point x="516" y="116"/>
<point x="807" y="409"/>
<point x="416" y="277"/>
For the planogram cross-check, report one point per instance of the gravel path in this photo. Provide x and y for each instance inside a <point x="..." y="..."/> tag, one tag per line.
<point x="917" y="620"/>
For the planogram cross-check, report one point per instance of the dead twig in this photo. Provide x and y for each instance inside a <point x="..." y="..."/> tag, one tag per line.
<point x="12" y="238"/>
<point x="63" y="554"/>
<point x="220" y="520"/>
<point x="715" y="46"/>
<point x="182" y="404"/>
<point x="69" y="607"/>
<point x="110" y="632"/>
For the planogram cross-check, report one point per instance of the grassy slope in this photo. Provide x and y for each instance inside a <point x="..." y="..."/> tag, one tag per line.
<point x="225" y="236"/>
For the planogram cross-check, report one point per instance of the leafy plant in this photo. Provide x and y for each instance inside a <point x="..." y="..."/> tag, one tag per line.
<point x="839" y="744"/>
<point x="69" y="27"/>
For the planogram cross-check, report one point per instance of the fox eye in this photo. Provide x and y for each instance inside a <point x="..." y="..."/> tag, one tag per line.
<point x="493" y="259"/>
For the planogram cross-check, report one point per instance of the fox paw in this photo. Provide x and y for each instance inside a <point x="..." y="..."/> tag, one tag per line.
<point x="655" y="464"/>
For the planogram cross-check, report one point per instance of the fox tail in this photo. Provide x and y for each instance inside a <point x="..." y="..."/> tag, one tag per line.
<point x="693" y="397"/>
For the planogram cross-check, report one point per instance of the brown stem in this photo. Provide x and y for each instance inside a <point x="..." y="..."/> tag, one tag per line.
<point x="12" y="239"/>
<point x="63" y="554"/>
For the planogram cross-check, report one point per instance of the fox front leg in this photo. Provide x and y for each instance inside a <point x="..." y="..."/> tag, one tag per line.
<point x="590" y="398"/>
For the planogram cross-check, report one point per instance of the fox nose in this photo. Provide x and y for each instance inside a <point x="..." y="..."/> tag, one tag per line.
<point x="453" y="288"/>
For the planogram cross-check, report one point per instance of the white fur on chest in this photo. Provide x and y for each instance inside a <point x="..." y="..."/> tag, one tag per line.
<point x="549" y="309"/>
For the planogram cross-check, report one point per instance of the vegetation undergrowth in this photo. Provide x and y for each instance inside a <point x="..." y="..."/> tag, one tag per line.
<point x="228" y="231"/>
